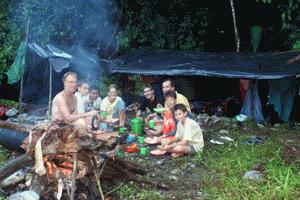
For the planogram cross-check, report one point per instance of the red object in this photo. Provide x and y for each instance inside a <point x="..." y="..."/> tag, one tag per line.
<point x="169" y="124"/>
<point x="243" y="89"/>
<point x="131" y="148"/>
<point x="65" y="172"/>
<point x="3" y="109"/>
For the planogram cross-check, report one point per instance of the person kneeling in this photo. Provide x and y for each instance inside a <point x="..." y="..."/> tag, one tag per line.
<point x="188" y="138"/>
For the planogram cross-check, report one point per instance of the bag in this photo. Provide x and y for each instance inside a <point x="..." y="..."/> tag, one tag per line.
<point x="3" y="110"/>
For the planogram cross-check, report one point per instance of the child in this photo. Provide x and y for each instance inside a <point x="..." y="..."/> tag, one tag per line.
<point x="81" y="95"/>
<point x="94" y="100"/>
<point x="188" y="138"/>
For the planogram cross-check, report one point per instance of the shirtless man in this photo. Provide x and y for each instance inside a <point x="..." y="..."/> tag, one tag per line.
<point x="64" y="104"/>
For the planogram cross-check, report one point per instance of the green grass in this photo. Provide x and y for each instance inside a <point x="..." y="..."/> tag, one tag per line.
<point x="9" y="103"/>
<point x="3" y="155"/>
<point x="226" y="165"/>
<point x="130" y="191"/>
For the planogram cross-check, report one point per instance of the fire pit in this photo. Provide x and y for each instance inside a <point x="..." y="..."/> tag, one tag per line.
<point x="62" y="164"/>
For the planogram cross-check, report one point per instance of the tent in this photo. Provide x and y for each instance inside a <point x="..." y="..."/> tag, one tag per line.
<point x="44" y="68"/>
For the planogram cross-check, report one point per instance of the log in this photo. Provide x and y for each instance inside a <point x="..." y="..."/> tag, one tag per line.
<point x="16" y="126"/>
<point x="14" y="165"/>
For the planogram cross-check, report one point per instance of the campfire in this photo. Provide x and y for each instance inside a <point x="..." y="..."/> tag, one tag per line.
<point x="61" y="163"/>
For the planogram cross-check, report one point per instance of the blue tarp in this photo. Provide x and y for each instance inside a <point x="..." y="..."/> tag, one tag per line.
<point x="228" y="65"/>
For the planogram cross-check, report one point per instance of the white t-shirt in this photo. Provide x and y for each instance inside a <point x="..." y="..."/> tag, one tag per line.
<point x="97" y="102"/>
<point x="192" y="132"/>
<point x="81" y="100"/>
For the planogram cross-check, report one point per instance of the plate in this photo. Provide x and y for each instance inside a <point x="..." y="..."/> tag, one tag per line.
<point x="157" y="152"/>
<point x="151" y="140"/>
<point x="159" y="110"/>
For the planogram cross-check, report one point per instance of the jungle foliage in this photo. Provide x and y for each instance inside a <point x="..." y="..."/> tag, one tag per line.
<point x="177" y="24"/>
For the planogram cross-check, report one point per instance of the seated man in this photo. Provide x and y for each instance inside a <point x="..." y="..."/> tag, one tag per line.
<point x="94" y="100"/>
<point x="149" y="101"/>
<point x="188" y="138"/>
<point x="113" y="108"/>
<point x="64" y="104"/>
<point x="168" y="85"/>
<point x="82" y="95"/>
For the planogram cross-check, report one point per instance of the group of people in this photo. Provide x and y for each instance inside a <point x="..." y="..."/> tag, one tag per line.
<point x="78" y="104"/>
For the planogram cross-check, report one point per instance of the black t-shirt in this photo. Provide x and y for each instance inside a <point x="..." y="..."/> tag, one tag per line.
<point x="146" y="103"/>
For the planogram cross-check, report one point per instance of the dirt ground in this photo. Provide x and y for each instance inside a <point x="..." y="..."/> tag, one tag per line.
<point x="291" y="151"/>
<point x="183" y="175"/>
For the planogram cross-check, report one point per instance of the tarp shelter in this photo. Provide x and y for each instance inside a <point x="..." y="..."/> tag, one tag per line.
<point x="39" y="60"/>
<point x="259" y="66"/>
<point x="44" y="68"/>
<point x="227" y="65"/>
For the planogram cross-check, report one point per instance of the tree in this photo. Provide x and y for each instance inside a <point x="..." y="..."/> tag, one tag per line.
<point x="9" y="38"/>
<point x="236" y="33"/>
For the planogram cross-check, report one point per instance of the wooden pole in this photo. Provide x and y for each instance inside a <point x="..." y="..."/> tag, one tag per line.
<point x="22" y="70"/>
<point x="237" y="41"/>
<point x="50" y="88"/>
<point x="236" y="33"/>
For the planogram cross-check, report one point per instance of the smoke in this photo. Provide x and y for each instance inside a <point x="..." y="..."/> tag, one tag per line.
<point x="87" y="29"/>
<point x="90" y="24"/>
<point x="86" y="65"/>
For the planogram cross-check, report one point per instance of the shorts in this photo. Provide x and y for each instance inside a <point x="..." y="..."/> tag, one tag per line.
<point x="193" y="151"/>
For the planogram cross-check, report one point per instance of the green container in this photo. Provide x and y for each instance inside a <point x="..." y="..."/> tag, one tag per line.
<point x="103" y="114"/>
<point x="143" y="151"/>
<point x="151" y="124"/>
<point x="140" y="139"/>
<point x="137" y="126"/>
<point x="121" y="130"/>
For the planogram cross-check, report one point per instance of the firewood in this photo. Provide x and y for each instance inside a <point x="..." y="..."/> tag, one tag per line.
<point x="14" y="165"/>
<point x="59" y="145"/>
<point x="39" y="161"/>
<point x="74" y="174"/>
<point x="15" y="126"/>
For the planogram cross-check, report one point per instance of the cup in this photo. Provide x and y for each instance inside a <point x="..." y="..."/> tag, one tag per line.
<point x="130" y="139"/>
<point x="103" y="114"/>
<point x="151" y="124"/>
<point x="140" y="139"/>
<point x="121" y="130"/>
<point x="143" y="151"/>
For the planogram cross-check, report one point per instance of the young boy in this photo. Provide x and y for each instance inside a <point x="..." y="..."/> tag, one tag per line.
<point x="94" y="101"/>
<point x="188" y="138"/>
<point x="81" y="95"/>
<point x="170" y="102"/>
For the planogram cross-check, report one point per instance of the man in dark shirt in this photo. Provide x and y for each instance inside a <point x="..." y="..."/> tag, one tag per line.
<point x="149" y="99"/>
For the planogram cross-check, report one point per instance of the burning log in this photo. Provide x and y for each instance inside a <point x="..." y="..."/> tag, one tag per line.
<point x="64" y="158"/>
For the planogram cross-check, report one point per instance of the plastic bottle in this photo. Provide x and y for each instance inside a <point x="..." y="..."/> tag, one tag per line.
<point x="136" y="126"/>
